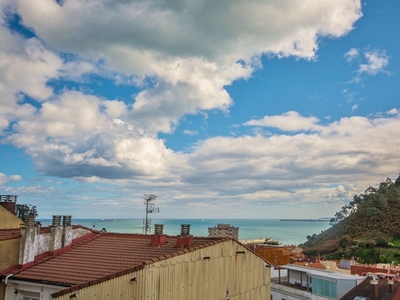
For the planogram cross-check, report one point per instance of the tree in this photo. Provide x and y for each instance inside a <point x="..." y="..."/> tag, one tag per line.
<point x="23" y="211"/>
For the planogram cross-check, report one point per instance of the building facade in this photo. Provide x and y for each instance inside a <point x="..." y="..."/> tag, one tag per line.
<point x="224" y="230"/>
<point x="307" y="283"/>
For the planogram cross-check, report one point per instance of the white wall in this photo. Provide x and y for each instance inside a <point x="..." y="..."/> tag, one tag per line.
<point x="16" y="290"/>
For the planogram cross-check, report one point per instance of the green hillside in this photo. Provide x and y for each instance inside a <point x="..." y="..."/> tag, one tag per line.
<point x="368" y="228"/>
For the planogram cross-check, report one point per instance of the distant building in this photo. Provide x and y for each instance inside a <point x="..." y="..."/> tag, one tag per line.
<point x="301" y="282"/>
<point x="224" y="230"/>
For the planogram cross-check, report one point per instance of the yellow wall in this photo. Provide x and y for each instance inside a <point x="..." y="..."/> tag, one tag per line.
<point x="189" y="276"/>
<point x="8" y="220"/>
<point x="9" y="251"/>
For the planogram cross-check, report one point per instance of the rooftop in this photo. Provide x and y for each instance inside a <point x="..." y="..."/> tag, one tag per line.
<point x="93" y="257"/>
<point x="364" y="289"/>
<point x="321" y="273"/>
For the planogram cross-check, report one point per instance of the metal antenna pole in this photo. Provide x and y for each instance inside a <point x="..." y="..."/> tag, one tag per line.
<point x="150" y="208"/>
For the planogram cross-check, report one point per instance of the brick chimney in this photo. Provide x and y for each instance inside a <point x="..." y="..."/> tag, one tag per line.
<point x="9" y="202"/>
<point x="374" y="286"/>
<point x="158" y="239"/>
<point x="185" y="239"/>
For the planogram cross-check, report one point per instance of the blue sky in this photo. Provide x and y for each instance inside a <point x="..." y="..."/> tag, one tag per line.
<point x="223" y="109"/>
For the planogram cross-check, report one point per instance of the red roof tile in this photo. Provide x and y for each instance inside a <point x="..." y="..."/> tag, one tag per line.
<point x="100" y="255"/>
<point x="8" y="234"/>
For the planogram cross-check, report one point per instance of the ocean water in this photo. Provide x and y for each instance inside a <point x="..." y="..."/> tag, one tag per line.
<point x="288" y="232"/>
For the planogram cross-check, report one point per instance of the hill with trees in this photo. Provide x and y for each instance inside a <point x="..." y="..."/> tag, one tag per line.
<point x="368" y="228"/>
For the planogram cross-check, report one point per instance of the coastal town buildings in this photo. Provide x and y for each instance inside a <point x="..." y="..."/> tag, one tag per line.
<point x="304" y="282"/>
<point x="224" y="230"/>
<point x="66" y="261"/>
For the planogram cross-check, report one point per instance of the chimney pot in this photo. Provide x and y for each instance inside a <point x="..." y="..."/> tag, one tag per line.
<point x="30" y="221"/>
<point x="185" y="229"/>
<point x="67" y="220"/>
<point x="158" y="229"/>
<point x="56" y="221"/>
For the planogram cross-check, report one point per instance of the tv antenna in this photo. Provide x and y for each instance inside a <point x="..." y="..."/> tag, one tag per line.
<point x="149" y="201"/>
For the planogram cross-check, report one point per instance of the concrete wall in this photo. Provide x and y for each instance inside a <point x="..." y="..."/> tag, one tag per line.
<point x="9" y="220"/>
<point x="242" y="276"/>
<point x="32" y="243"/>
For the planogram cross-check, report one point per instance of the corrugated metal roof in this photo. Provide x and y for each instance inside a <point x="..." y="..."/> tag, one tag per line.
<point x="105" y="255"/>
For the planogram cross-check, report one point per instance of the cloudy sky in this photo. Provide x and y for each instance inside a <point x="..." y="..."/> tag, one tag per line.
<point x="223" y="109"/>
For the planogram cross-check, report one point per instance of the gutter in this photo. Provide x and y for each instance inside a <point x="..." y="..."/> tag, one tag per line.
<point x="8" y="276"/>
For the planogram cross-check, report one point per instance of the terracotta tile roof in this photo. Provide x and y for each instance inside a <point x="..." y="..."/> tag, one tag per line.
<point x="104" y="255"/>
<point x="364" y="289"/>
<point x="8" y="234"/>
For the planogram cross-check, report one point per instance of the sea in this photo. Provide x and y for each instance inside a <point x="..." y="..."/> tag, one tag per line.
<point x="287" y="232"/>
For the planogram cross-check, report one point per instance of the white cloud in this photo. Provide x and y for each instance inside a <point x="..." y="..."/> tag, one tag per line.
<point x="191" y="51"/>
<point x="354" y="107"/>
<point x="190" y="132"/>
<point x="289" y="121"/>
<point x="393" y="111"/>
<point x="352" y="54"/>
<point x="376" y="62"/>
<point x="4" y="178"/>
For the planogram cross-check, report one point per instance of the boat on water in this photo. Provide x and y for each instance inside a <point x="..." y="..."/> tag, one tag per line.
<point x="109" y="220"/>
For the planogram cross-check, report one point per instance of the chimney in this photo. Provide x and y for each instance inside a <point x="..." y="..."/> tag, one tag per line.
<point x="28" y="242"/>
<point x="374" y="286"/>
<point x="8" y="202"/>
<point x="185" y="239"/>
<point x="61" y="232"/>
<point x="390" y="283"/>
<point x="158" y="239"/>
<point x="67" y="231"/>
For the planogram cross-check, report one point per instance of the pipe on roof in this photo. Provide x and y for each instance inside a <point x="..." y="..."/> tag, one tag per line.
<point x="8" y="276"/>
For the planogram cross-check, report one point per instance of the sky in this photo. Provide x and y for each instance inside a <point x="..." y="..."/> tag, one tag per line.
<point x="227" y="109"/>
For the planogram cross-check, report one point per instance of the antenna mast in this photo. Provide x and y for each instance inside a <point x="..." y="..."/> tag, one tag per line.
<point x="150" y="208"/>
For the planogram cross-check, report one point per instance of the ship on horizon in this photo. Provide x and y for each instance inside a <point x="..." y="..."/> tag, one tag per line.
<point x="325" y="219"/>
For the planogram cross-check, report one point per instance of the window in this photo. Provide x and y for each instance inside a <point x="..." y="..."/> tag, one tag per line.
<point x="324" y="288"/>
